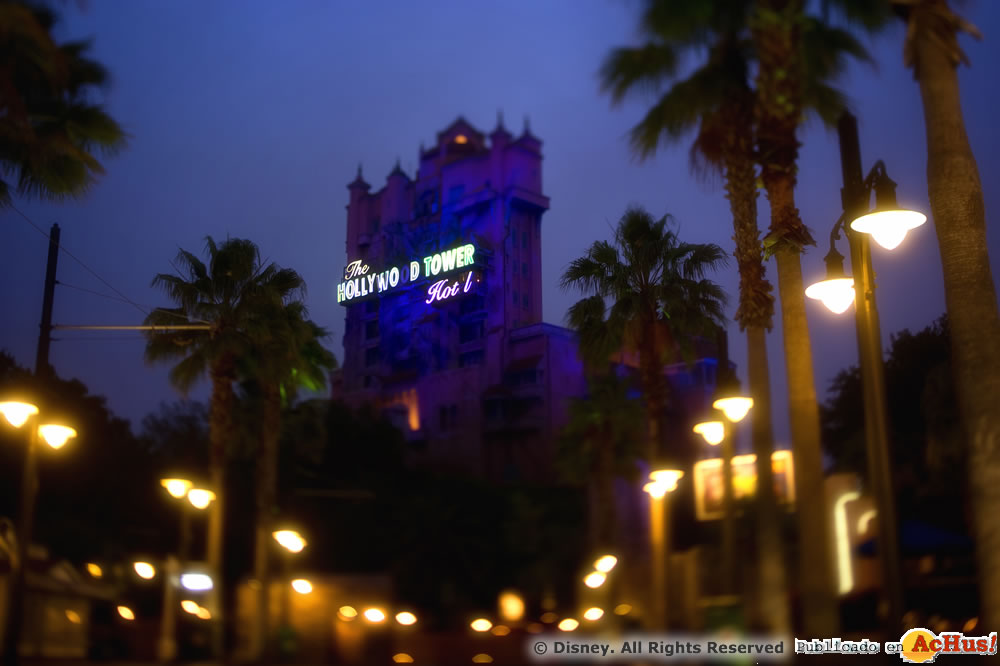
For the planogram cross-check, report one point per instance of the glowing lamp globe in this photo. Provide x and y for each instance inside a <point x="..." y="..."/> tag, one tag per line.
<point x="735" y="408"/>
<point x="56" y="435"/>
<point x="593" y="614"/>
<point x="713" y="431"/>
<point x="374" y="615"/>
<point x="290" y="540"/>
<point x="481" y="625"/>
<point x="594" y="580"/>
<point x="302" y="586"/>
<point x="511" y="606"/>
<point x="569" y="624"/>
<point x="144" y="570"/>
<point x="836" y="294"/>
<point x="606" y="563"/>
<point x="655" y="490"/>
<point x="17" y="413"/>
<point x="177" y="488"/>
<point x="668" y="478"/>
<point x="200" y="498"/>
<point x="190" y="606"/>
<point x="406" y="618"/>
<point x="888" y="228"/>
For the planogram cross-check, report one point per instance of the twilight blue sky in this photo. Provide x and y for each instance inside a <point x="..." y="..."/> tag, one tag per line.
<point x="249" y="119"/>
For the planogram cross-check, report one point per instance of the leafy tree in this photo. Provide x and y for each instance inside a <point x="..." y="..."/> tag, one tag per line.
<point x="925" y="431"/>
<point x="646" y="291"/>
<point x="598" y="444"/>
<point x="229" y="294"/>
<point x="50" y="129"/>
<point x="956" y="196"/>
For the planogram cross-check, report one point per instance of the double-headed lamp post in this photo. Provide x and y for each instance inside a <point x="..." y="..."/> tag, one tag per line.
<point x="888" y="225"/>
<point x="19" y="414"/>
<point x="293" y="543"/>
<point x="199" y="499"/>
<point x="662" y="483"/>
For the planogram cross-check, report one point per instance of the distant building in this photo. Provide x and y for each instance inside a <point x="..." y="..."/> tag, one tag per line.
<point x="443" y="297"/>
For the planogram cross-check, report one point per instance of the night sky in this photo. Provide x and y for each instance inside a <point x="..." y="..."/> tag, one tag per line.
<point x="248" y="119"/>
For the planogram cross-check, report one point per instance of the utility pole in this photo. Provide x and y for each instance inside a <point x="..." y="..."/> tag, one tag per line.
<point x="17" y="582"/>
<point x="855" y="198"/>
<point x="42" y="367"/>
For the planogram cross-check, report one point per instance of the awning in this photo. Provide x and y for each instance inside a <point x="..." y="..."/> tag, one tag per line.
<point x="916" y="538"/>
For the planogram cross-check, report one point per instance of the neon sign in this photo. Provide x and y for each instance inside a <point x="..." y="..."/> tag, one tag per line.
<point x="359" y="283"/>
<point x="442" y="291"/>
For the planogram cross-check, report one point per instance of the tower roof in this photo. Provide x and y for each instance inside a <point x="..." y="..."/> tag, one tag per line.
<point x="397" y="170"/>
<point x="460" y="126"/>
<point x="358" y="181"/>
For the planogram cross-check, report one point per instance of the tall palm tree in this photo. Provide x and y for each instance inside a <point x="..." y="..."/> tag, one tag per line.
<point x="797" y="56"/>
<point x="598" y="444"/>
<point x="956" y="197"/>
<point x="287" y="356"/>
<point x="716" y="102"/>
<point x="228" y="294"/>
<point x="50" y="129"/>
<point x="647" y="292"/>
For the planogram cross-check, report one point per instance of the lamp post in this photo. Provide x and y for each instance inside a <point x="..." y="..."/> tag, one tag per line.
<point x="199" y="499"/>
<point x="662" y="483"/>
<point x="293" y="543"/>
<point x="735" y="407"/>
<point x="18" y="414"/>
<point x="887" y="225"/>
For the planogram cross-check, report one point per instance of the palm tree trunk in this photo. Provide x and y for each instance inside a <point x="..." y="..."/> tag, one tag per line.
<point x="777" y="35"/>
<point x="755" y="315"/>
<point x="819" y="603"/>
<point x="956" y="198"/>
<point x="653" y="389"/>
<point x="220" y="436"/>
<point x="605" y="540"/>
<point x="772" y="589"/>
<point x="267" y="464"/>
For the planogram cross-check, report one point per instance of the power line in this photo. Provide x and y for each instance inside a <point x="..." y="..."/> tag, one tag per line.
<point x="91" y="291"/>
<point x="87" y="268"/>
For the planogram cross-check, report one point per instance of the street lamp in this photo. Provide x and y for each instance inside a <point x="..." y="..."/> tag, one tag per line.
<point x="19" y="413"/>
<point x="887" y="225"/>
<point x="179" y="488"/>
<point x="735" y="407"/>
<point x="662" y="483"/>
<point x="712" y="431"/>
<point x="293" y="543"/>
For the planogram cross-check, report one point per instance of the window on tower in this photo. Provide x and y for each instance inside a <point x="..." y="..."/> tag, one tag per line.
<point x="524" y="239"/>
<point x="470" y="332"/>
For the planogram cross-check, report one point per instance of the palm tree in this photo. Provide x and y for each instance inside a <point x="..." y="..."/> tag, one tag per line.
<point x="598" y="444"/>
<point x="647" y="292"/>
<point x="228" y="294"/>
<point x="50" y="129"/>
<point x="797" y="56"/>
<point x="287" y="355"/>
<point x="716" y="102"/>
<point x="956" y="197"/>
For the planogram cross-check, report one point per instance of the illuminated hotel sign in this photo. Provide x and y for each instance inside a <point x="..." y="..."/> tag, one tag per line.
<point x="361" y="283"/>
